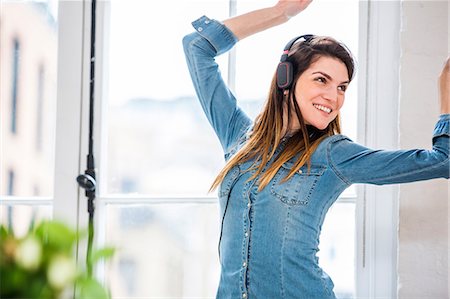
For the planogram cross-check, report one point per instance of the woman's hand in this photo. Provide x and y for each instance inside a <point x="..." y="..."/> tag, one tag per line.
<point x="444" y="88"/>
<point x="293" y="7"/>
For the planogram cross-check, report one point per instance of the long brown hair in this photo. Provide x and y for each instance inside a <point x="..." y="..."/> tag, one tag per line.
<point x="266" y="134"/>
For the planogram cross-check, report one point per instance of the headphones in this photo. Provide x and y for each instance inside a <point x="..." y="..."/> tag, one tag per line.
<point x="285" y="72"/>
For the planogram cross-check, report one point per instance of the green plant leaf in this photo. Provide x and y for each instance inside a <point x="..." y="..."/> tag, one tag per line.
<point x="3" y="232"/>
<point x="91" y="289"/>
<point x="57" y="235"/>
<point x="103" y="253"/>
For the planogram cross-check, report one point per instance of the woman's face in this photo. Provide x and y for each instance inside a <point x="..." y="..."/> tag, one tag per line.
<point x="320" y="91"/>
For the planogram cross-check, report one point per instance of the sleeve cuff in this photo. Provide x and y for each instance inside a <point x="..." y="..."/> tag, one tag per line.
<point x="442" y="126"/>
<point x="217" y="34"/>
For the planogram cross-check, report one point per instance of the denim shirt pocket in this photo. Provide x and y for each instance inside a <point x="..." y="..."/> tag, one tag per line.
<point x="298" y="189"/>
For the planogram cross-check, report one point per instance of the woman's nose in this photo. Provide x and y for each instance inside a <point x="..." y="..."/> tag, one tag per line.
<point x="331" y="94"/>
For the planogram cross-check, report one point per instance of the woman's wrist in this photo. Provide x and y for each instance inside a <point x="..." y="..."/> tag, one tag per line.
<point x="256" y="21"/>
<point x="290" y="8"/>
<point x="281" y="10"/>
<point x="285" y="11"/>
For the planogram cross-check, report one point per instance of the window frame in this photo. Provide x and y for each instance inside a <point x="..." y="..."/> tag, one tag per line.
<point x="376" y="209"/>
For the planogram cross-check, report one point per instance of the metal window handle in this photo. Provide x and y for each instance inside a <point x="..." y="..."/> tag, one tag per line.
<point x="86" y="182"/>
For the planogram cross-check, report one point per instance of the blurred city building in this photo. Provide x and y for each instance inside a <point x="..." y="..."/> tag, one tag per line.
<point x="28" y="55"/>
<point x="28" y="52"/>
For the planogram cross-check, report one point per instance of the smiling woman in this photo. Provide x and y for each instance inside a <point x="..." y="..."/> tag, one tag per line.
<point x="287" y="168"/>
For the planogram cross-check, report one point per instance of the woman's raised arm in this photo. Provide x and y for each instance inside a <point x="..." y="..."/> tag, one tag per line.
<point x="258" y="20"/>
<point x="213" y="38"/>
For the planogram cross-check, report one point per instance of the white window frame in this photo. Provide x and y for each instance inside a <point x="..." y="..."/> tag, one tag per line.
<point x="376" y="208"/>
<point x="72" y="114"/>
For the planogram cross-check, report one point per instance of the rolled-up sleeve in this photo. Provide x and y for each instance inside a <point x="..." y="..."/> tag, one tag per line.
<point x="217" y="34"/>
<point x="354" y="163"/>
<point x="211" y="39"/>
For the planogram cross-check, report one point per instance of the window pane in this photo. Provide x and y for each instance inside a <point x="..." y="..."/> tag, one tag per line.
<point x="164" y="251"/>
<point x="159" y="141"/>
<point x="337" y="248"/>
<point x="28" y="55"/>
<point x="20" y="217"/>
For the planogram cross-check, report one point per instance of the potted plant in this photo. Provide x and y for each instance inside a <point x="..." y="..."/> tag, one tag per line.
<point x="42" y="264"/>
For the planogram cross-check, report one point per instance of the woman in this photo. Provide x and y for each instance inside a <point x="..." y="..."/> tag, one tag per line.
<point x="286" y="169"/>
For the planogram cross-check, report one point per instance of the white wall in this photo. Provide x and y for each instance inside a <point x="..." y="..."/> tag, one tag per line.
<point x="423" y="216"/>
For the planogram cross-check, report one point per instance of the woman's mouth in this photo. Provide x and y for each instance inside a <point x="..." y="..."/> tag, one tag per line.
<point x="322" y="108"/>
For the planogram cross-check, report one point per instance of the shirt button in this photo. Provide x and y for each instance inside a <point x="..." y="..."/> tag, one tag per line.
<point x="244" y="295"/>
<point x="300" y="171"/>
<point x="249" y="205"/>
<point x="207" y="21"/>
<point x="244" y="264"/>
<point x="246" y="234"/>
<point x="200" y="29"/>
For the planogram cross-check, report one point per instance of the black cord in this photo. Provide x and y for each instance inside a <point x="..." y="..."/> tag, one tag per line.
<point x="92" y="81"/>
<point x="87" y="180"/>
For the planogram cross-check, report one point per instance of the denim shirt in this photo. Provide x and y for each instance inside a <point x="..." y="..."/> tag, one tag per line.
<point x="269" y="238"/>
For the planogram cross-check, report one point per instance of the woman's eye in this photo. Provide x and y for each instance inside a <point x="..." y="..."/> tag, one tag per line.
<point x="321" y="79"/>
<point x="342" y="88"/>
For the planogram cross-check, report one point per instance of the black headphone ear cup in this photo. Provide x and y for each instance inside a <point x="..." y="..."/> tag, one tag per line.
<point x="284" y="75"/>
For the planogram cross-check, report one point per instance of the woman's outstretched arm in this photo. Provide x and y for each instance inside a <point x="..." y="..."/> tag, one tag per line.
<point x="258" y="20"/>
<point x="354" y="163"/>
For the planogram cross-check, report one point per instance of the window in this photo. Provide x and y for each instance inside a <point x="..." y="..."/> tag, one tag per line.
<point x="158" y="141"/>
<point x="159" y="154"/>
<point x="15" y="75"/>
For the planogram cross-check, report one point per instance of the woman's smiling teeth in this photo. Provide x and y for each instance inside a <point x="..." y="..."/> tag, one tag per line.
<point x="323" y="108"/>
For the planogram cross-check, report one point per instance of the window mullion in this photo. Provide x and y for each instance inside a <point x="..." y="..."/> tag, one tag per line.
<point x="377" y="209"/>
<point x="100" y="134"/>
<point x="69" y="108"/>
